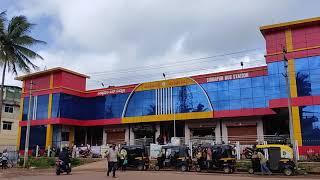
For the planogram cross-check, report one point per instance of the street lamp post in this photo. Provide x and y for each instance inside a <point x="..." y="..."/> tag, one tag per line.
<point x="286" y="75"/>
<point x="174" y="117"/>
<point x="26" y="145"/>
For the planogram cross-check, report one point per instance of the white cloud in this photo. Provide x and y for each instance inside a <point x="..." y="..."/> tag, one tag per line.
<point x="101" y="35"/>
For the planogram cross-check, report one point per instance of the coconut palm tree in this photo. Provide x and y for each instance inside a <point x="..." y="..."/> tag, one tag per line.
<point x="15" y="52"/>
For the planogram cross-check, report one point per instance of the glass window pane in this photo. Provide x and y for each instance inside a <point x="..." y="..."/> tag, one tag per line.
<point x="235" y="104"/>
<point x="301" y="64"/>
<point x="223" y="95"/>
<point x="234" y="84"/>
<point x="303" y="83"/>
<point x="234" y="94"/>
<point x="257" y="81"/>
<point x="213" y="95"/>
<point x="246" y="103"/>
<point x="245" y="83"/>
<point x="281" y="67"/>
<point x="273" y="68"/>
<point x="314" y="62"/>
<point x="274" y="80"/>
<point x="259" y="103"/>
<point x="258" y="92"/>
<point x="315" y="75"/>
<point x="224" y="105"/>
<point x="42" y="107"/>
<point x="246" y="93"/>
<point x="213" y="86"/>
<point x="223" y="85"/>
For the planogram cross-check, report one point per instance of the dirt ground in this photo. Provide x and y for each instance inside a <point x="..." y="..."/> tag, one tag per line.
<point x="96" y="171"/>
<point x="135" y="175"/>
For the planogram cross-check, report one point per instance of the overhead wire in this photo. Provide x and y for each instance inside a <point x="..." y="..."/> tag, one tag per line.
<point x="131" y="75"/>
<point x="177" y="62"/>
<point x="148" y="77"/>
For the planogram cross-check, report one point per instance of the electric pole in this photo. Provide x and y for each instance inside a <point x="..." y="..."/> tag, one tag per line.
<point x="287" y="76"/>
<point x="26" y="145"/>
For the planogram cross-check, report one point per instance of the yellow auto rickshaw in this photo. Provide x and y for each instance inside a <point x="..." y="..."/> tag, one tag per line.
<point x="280" y="159"/>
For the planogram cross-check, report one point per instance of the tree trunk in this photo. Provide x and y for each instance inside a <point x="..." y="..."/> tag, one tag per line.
<point x="1" y="92"/>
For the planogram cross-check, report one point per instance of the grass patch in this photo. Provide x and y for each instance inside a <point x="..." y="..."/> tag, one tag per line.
<point x="48" y="162"/>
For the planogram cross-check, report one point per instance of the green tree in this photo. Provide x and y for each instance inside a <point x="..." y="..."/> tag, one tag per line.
<point x="15" y="52"/>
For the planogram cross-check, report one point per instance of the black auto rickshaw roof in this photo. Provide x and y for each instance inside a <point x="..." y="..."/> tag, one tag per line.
<point x="133" y="147"/>
<point x="174" y="147"/>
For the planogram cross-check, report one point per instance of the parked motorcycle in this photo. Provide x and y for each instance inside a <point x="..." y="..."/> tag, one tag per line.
<point x="62" y="167"/>
<point x="4" y="162"/>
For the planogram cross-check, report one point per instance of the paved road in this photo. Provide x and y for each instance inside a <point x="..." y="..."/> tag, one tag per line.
<point x="144" y="175"/>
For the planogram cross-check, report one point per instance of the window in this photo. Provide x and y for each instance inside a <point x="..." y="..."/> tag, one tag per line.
<point x="42" y="107"/>
<point x="7" y="125"/>
<point x="308" y="76"/>
<point x="8" y="108"/>
<point x="65" y="136"/>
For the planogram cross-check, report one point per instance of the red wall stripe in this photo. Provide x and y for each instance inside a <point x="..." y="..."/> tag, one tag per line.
<point x="73" y="122"/>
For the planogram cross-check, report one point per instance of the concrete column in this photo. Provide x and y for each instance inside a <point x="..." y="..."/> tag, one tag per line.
<point x="260" y="132"/>
<point x="217" y="132"/>
<point x="126" y="134"/>
<point x="224" y="132"/>
<point x="157" y="134"/>
<point x="187" y="133"/>
<point x="104" y="137"/>
<point x="131" y="140"/>
<point x="86" y="137"/>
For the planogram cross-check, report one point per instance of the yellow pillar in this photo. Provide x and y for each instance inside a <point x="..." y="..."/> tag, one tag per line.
<point x="293" y="89"/>
<point x="71" y="138"/>
<point x="49" y="136"/>
<point x="49" y="126"/>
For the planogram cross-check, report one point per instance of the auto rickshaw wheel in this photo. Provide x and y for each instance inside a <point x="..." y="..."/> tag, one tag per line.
<point x="226" y="170"/>
<point x="57" y="172"/>
<point x="198" y="168"/>
<point x="157" y="168"/>
<point x="140" y="167"/>
<point x="288" y="171"/>
<point x="251" y="171"/>
<point x="184" y="168"/>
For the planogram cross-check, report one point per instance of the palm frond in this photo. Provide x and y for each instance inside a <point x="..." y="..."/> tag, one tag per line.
<point x="15" y="43"/>
<point x="20" y="62"/>
<point x="27" y="61"/>
<point x="27" y="52"/>
<point x="19" y="26"/>
<point x="27" y="41"/>
<point x="2" y="21"/>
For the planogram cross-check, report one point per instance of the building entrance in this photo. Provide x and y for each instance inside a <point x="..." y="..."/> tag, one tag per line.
<point x="167" y="130"/>
<point x="88" y="135"/>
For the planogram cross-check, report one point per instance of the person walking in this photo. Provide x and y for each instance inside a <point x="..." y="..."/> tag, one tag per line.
<point x="123" y="159"/>
<point x="263" y="164"/>
<point x="209" y="157"/>
<point x="112" y="156"/>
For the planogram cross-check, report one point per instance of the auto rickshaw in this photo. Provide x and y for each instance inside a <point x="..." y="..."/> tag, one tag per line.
<point x="223" y="158"/>
<point x="280" y="159"/>
<point x="176" y="157"/>
<point x="137" y="157"/>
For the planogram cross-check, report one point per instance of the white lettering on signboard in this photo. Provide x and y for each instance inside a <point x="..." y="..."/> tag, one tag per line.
<point x="228" y="77"/>
<point x="112" y="91"/>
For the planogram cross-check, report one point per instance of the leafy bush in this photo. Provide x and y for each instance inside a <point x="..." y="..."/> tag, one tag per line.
<point x="47" y="162"/>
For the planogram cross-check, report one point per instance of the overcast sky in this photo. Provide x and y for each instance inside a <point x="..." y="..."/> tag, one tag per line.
<point x="109" y="39"/>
